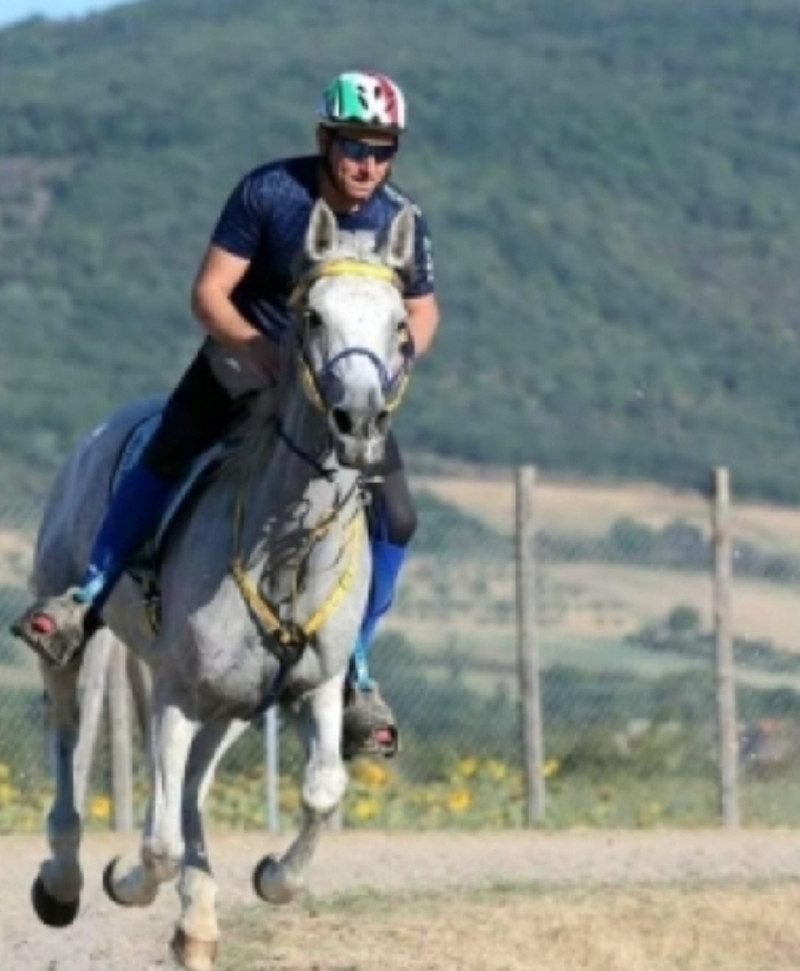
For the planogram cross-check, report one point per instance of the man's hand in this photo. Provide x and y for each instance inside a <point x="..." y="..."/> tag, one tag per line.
<point x="265" y="355"/>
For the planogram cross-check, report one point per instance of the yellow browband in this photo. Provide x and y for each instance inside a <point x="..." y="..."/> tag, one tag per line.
<point x="377" y="271"/>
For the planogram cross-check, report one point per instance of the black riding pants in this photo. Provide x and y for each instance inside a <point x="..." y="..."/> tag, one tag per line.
<point x="201" y="409"/>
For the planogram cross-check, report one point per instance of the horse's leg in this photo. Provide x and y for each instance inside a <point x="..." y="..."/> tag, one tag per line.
<point x="324" y="784"/>
<point x="137" y="884"/>
<point x="57" y="889"/>
<point x="197" y="932"/>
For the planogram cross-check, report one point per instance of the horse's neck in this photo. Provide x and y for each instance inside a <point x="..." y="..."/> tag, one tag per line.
<point x="294" y="496"/>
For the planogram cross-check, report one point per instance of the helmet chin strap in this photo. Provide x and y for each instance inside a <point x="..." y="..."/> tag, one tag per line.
<point x="328" y="168"/>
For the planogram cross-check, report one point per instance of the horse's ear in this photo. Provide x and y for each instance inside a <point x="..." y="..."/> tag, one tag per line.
<point x="399" y="247"/>
<point x="322" y="234"/>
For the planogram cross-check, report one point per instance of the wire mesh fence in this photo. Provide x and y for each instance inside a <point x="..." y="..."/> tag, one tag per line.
<point x="624" y="623"/>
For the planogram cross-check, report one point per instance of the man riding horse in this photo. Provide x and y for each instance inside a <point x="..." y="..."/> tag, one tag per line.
<point x="240" y="297"/>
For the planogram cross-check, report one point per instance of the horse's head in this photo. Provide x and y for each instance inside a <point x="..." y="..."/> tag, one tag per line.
<point x="353" y="344"/>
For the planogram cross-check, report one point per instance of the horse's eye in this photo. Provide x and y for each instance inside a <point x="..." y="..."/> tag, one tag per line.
<point x="313" y="319"/>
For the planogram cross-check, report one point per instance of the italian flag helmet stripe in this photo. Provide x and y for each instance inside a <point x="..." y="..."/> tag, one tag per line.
<point x="389" y="97"/>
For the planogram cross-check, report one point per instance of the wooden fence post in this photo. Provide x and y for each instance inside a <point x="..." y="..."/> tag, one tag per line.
<point x="727" y="735"/>
<point x="527" y="648"/>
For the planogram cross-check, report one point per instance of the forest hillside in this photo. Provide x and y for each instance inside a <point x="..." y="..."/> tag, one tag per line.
<point x="612" y="189"/>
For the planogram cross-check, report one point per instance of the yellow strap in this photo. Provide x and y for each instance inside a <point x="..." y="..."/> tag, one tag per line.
<point x="353" y="535"/>
<point x="261" y="608"/>
<point x="376" y="271"/>
<point x="354" y="268"/>
<point x="398" y="395"/>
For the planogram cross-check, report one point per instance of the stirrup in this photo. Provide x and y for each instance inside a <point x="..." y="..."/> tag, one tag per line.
<point x="57" y="628"/>
<point x="368" y="726"/>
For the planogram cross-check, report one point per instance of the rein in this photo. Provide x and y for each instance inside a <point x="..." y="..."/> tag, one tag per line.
<point x="322" y="472"/>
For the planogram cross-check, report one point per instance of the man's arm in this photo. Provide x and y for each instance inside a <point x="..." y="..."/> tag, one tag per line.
<point x="219" y="273"/>
<point x="423" y="321"/>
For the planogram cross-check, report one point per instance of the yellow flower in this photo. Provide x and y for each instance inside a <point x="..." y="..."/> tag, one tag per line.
<point x="496" y="770"/>
<point x="649" y="815"/>
<point x="550" y="767"/>
<point x="100" y="807"/>
<point x="467" y="767"/>
<point x="366" y="809"/>
<point x="7" y="794"/>
<point x="369" y="773"/>
<point x="459" y="800"/>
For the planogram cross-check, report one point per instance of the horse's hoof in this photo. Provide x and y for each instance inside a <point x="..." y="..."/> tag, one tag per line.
<point x="193" y="954"/>
<point x="54" y="913"/>
<point x="272" y="890"/>
<point x="108" y="883"/>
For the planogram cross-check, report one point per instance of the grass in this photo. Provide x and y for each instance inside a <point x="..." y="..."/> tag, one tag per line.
<point x="590" y="508"/>
<point x="693" y="927"/>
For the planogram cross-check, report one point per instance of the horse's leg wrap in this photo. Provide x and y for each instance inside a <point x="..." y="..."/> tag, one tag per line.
<point x="369" y="726"/>
<point x="57" y="628"/>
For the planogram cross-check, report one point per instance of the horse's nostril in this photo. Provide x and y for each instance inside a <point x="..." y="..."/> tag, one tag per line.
<point x="343" y="421"/>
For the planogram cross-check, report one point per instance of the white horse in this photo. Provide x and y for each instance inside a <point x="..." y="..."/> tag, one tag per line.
<point x="264" y="583"/>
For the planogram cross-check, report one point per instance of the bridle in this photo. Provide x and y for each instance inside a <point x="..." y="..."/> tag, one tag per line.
<point x="313" y="384"/>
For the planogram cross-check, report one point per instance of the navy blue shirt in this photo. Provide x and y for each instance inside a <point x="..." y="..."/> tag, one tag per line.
<point x="265" y="220"/>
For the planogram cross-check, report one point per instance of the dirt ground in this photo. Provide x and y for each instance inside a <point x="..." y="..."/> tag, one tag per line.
<point x="508" y="901"/>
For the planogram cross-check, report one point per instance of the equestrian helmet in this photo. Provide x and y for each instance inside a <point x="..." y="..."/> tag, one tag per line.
<point x="363" y="99"/>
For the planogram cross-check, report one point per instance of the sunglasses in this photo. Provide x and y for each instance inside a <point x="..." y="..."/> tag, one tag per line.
<point x="358" y="151"/>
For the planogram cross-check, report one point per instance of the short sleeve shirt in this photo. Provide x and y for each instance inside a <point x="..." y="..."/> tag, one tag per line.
<point x="264" y="221"/>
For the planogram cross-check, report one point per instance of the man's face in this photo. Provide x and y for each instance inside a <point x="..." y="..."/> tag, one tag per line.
<point x="359" y="159"/>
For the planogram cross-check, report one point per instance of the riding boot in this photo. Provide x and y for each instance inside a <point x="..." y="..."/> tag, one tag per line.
<point x="369" y="726"/>
<point x="58" y="627"/>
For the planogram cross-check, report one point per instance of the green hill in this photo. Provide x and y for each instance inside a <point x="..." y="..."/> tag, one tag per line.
<point x="612" y="186"/>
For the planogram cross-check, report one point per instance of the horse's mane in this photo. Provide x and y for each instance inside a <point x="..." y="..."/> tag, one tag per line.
<point x="257" y="431"/>
<point x="253" y="438"/>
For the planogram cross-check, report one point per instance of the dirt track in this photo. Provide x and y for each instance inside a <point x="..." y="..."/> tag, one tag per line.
<point x="108" y="938"/>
